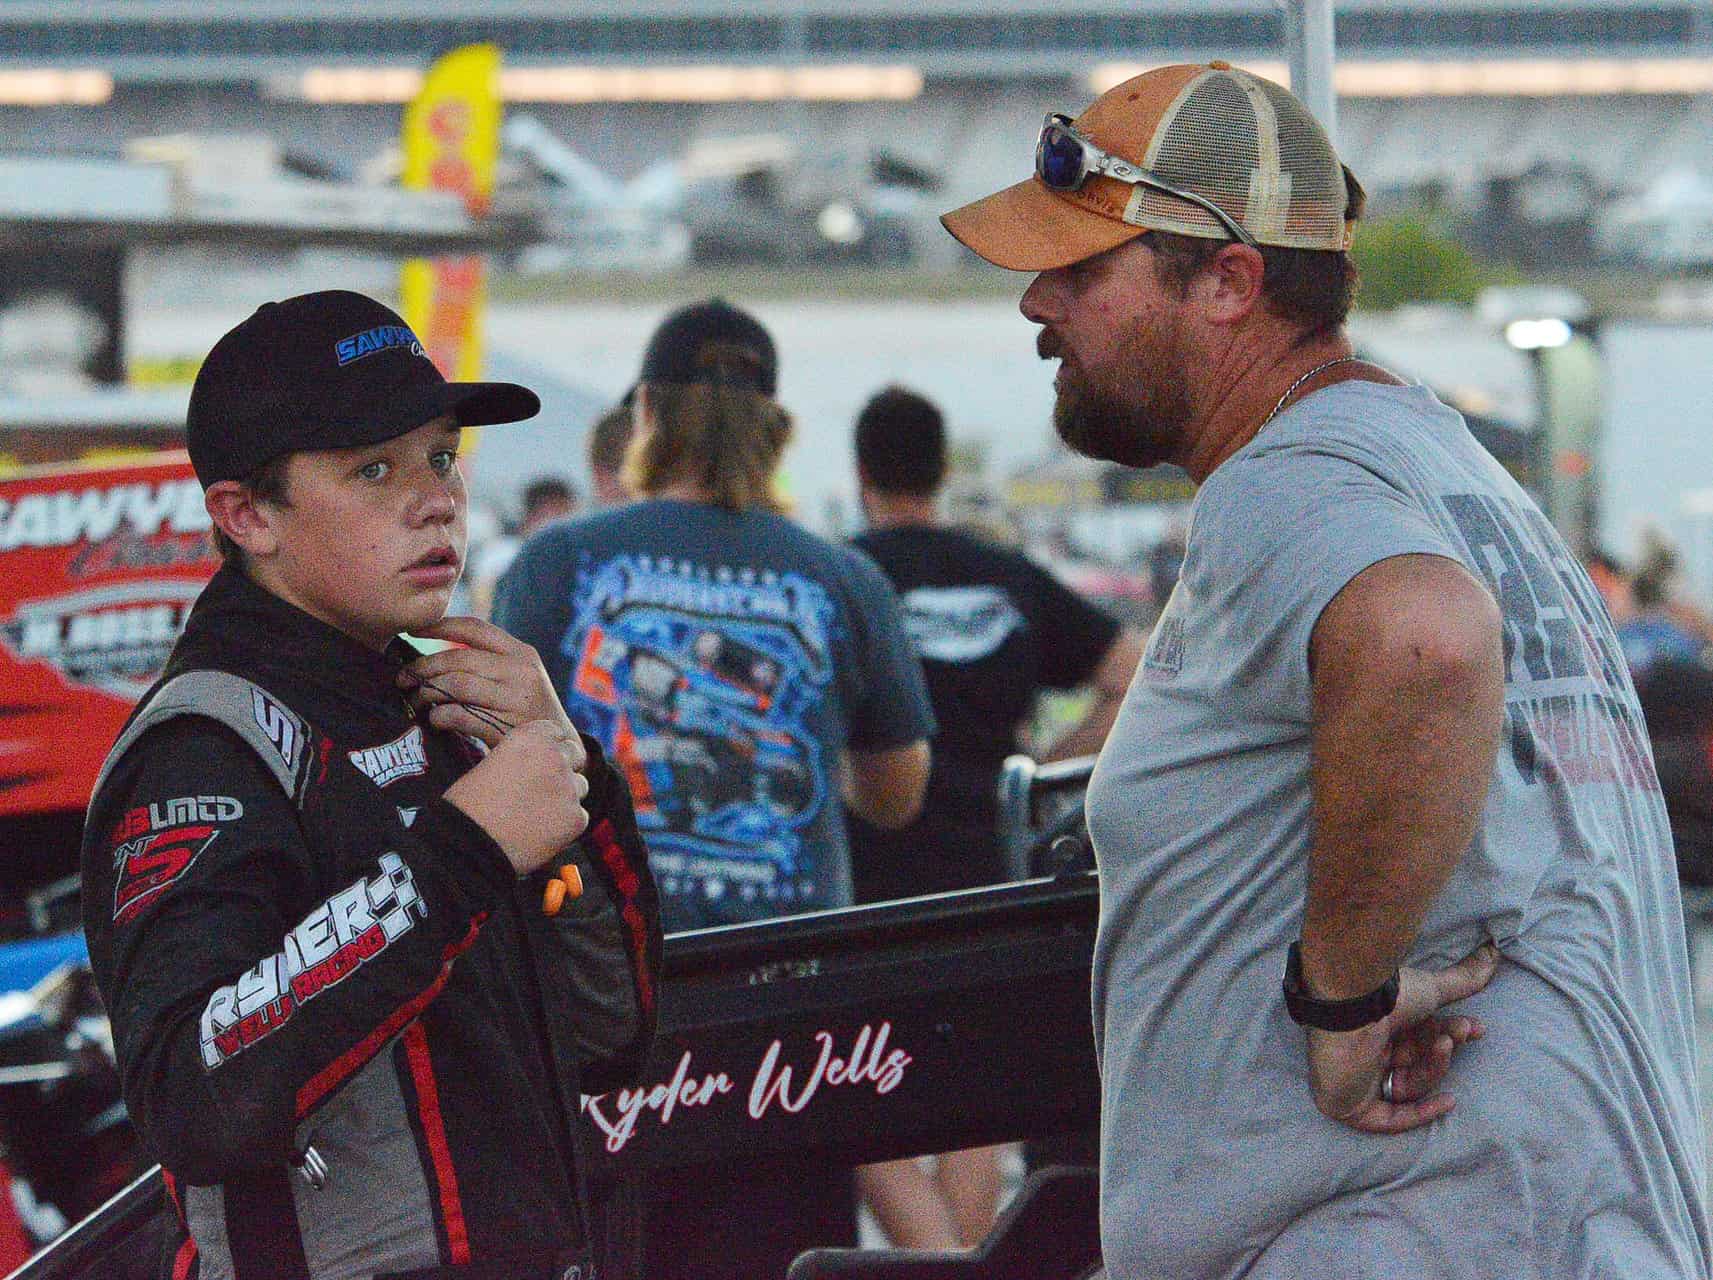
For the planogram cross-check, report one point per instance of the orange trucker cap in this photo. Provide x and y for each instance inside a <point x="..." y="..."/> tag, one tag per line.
<point x="1241" y="142"/>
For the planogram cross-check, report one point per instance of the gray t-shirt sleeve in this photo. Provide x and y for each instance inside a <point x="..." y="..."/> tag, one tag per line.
<point x="1296" y="524"/>
<point x="889" y="705"/>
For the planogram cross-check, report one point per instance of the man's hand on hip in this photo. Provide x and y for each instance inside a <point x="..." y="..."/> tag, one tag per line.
<point x="1412" y="1047"/>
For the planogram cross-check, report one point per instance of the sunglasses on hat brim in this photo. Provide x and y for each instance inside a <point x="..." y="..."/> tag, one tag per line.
<point x="1065" y="160"/>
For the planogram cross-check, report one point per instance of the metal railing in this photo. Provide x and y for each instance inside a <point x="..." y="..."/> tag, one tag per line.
<point x="1029" y="823"/>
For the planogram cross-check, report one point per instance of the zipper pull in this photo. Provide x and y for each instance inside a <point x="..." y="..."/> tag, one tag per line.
<point x="309" y="1163"/>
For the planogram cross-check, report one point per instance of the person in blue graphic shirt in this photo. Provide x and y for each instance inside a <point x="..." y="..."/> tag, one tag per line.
<point x="753" y="682"/>
<point x="1658" y="630"/>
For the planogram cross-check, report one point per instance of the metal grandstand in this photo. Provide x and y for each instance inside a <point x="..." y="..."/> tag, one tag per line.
<point x="173" y="40"/>
<point x="1445" y="92"/>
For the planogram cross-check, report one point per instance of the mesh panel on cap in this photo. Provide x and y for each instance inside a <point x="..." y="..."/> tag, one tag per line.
<point x="1314" y="218"/>
<point x="1255" y="151"/>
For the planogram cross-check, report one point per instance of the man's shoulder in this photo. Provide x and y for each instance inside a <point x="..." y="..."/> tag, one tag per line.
<point x="791" y="545"/>
<point x="193" y="754"/>
<point x="1379" y="426"/>
<point x="580" y="530"/>
<point x="554" y="554"/>
<point x="214" y="707"/>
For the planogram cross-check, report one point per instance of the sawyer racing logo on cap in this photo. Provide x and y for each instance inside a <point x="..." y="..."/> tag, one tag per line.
<point x="382" y="337"/>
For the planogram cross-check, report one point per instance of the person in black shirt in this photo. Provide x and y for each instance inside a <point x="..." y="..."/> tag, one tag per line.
<point x="993" y="630"/>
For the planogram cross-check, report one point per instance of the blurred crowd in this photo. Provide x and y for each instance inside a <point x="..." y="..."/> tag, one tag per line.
<point x="807" y="722"/>
<point x="1667" y="638"/>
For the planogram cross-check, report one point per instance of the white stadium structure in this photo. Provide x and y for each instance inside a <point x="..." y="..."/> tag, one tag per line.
<point x="1431" y="90"/>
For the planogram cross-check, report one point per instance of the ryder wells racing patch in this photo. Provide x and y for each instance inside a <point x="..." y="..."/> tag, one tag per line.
<point x="327" y="946"/>
<point x="155" y="844"/>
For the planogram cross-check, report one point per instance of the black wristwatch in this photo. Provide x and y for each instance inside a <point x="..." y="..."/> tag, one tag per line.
<point x="1334" y="1015"/>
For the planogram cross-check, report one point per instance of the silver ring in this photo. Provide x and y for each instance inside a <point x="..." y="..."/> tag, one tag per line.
<point x="1386" y="1088"/>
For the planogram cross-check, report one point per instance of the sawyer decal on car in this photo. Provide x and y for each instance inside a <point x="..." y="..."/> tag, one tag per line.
<point x="114" y="638"/>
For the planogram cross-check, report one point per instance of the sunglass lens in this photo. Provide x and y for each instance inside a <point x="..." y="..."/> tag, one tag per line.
<point x="1058" y="160"/>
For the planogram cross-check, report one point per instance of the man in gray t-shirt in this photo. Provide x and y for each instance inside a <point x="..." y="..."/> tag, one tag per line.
<point x="1382" y="773"/>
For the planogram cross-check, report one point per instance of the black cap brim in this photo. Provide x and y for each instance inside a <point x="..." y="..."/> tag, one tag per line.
<point x="487" y="404"/>
<point x="469" y="404"/>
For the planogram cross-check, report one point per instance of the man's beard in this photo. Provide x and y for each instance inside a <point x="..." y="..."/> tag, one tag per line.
<point x="1141" y="428"/>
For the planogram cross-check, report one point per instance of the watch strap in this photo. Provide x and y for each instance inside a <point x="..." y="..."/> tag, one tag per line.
<point x="1334" y="1015"/>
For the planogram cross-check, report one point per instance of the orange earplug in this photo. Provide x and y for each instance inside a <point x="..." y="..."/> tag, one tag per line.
<point x="567" y="884"/>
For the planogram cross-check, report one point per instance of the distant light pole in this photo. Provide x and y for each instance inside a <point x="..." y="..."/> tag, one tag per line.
<point x="1311" y="50"/>
<point x="1569" y="378"/>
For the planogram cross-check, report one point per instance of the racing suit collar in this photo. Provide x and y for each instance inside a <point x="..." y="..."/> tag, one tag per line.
<point x="234" y="617"/>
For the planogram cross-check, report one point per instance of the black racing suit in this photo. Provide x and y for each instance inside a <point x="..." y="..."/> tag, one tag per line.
<point x="346" y="1028"/>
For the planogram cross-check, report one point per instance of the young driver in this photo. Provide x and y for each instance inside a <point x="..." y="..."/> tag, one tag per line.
<point x="318" y="909"/>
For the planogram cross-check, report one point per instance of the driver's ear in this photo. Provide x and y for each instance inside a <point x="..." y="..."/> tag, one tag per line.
<point x="242" y="517"/>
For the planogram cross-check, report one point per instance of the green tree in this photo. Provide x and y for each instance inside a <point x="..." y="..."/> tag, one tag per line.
<point x="1405" y="257"/>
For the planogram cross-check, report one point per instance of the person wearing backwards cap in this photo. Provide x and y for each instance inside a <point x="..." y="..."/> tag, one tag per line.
<point x="752" y="680"/>
<point x="329" y="881"/>
<point x="1390" y="976"/>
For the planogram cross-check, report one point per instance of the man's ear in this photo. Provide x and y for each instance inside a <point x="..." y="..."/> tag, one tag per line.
<point x="1231" y="284"/>
<point x="242" y="517"/>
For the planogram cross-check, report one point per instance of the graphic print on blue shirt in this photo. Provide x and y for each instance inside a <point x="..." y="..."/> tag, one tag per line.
<point x="701" y="685"/>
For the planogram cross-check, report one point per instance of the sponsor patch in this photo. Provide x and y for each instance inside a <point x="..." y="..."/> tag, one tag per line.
<point x="282" y="727"/>
<point x="155" y="844"/>
<point x="403" y="757"/>
<point x="327" y="946"/>
<point x="150" y="865"/>
<point x="172" y="813"/>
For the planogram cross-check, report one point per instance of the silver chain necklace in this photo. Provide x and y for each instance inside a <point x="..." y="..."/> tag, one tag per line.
<point x="1292" y="389"/>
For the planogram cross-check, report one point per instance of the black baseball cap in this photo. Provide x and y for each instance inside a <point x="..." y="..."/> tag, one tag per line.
<point x="679" y="352"/>
<point x="325" y="370"/>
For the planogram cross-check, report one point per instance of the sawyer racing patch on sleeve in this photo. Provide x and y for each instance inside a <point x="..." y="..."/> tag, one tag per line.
<point x="155" y="844"/>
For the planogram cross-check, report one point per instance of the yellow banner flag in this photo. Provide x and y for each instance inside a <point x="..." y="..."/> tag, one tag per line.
<point x="452" y="143"/>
